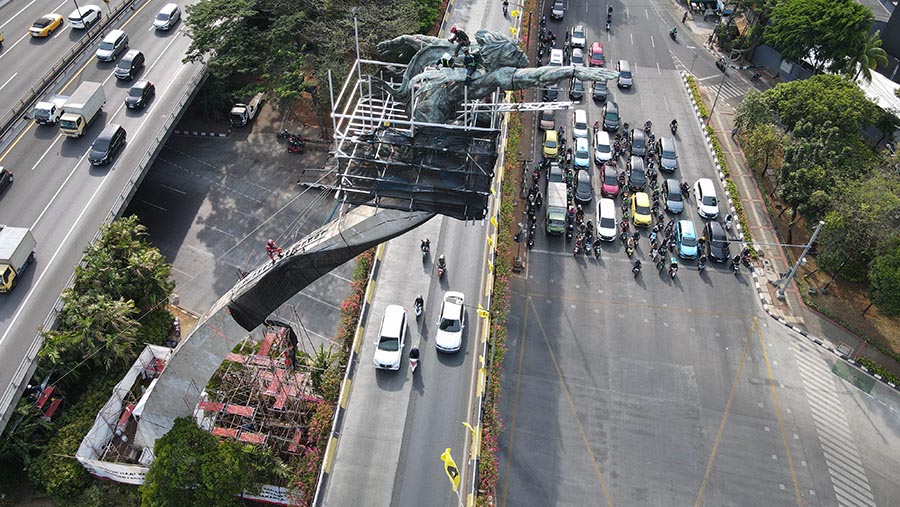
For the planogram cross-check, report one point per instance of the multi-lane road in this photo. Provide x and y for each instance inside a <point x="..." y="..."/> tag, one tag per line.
<point x="56" y="191"/>
<point x="651" y="391"/>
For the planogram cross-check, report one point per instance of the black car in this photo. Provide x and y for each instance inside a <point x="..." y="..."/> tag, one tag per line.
<point x="584" y="191"/>
<point x="611" y="116"/>
<point x="554" y="173"/>
<point x="638" y="143"/>
<point x="668" y="159"/>
<point x="140" y="94"/>
<point x="576" y="91"/>
<point x="551" y="93"/>
<point x="601" y="91"/>
<point x="6" y="178"/>
<point x="637" y="180"/>
<point x="716" y="241"/>
<point x="129" y="65"/>
<point x="110" y="141"/>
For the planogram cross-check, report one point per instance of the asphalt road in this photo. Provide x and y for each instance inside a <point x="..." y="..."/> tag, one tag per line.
<point x="60" y="195"/>
<point x="652" y="391"/>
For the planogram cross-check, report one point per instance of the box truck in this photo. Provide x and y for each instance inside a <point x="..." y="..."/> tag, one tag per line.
<point x="82" y="109"/>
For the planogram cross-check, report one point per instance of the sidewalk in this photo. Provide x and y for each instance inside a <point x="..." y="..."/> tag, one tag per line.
<point x="791" y="311"/>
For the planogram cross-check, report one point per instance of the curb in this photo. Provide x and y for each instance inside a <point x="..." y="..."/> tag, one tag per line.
<point x="352" y="361"/>
<point x="200" y="134"/>
<point x="760" y="290"/>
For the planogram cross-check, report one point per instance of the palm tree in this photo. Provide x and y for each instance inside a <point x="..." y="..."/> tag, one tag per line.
<point x="869" y="57"/>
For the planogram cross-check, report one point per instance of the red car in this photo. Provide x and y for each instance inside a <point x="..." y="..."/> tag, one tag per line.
<point x="596" y="58"/>
<point x="610" y="182"/>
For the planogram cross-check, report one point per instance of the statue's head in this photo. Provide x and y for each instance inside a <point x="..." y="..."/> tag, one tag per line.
<point x="498" y="50"/>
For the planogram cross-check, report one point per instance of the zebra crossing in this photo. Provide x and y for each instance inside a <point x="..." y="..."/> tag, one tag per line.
<point x="848" y="477"/>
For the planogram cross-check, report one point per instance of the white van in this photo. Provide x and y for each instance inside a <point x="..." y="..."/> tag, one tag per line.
<point x="556" y="58"/>
<point x="580" y="124"/>
<point x="167" y="17"/>
<point x="85" y="16"/>
<point x="606" y="220"/>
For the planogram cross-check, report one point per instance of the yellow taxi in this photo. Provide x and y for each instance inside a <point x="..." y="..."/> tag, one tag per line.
<point x="640" y="209"/>
<point x="551" y="143"/>
<point x="46" y="25"/>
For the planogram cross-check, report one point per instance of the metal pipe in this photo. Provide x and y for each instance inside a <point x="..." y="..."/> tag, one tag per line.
<point x="783" y="284"/>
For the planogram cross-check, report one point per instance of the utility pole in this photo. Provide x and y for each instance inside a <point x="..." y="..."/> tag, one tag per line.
<point x="784" y="283"/>
<point x="718" y="91"/>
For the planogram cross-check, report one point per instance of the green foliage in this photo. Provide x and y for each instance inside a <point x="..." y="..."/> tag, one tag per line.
<point x="878" y="369"/>
<point x="429" y="11"/>
<point x="695" y="91"/>
<point x="820" y="100"/>
<point x="155" y="326"/>
<point x="869" y="56"/>
<point x="193" y="468"/>
<point x="731" y="189"/>
<point x="863" y="216"/>
<point x="755" y="109"/>
<point x="764" y="147"/>
<point x="831" y="31"/>
<point x="884" y="278"/>
<point x="25" y="435"/>
<point x="317" y="364"/>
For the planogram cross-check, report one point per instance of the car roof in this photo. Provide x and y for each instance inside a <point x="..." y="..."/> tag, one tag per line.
<point x="169" y="7"/>
<point x="393" y="316"/>
<point x="706" y="185"/>
<point x="642" y="198"/>
<point x="602" y="137"/>
<point x="577" y="28"/>
<point x="113" y="36"/>
<point x="667" y="143"/>
<point x="579" y="141"/>
<point x="130" y="54"/>
<point x="550" y="135"/>
<point x="716" y="231"/>
<point x="637" y="162"/>
<point x="143" y="83"/>
<point x="596" y="46"/>
<point x="453" y="301"/>
<point x="637" y="134"/>
<point x="611" y="105"/>
<point x="687" y="227"/>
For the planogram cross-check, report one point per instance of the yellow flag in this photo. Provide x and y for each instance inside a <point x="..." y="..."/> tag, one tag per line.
<point x="513" y="31"/>
<point x="483" y="313"/>
<point x="450" y="468"/>
<point x="514" y="13"/>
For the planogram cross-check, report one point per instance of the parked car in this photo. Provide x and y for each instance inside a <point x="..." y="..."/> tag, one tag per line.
<point x="610" y="184"/>
<point x="596" y="58"/>
<point x="602" y="147"/>
<point x="600" y="91"/>
<point x="640" y="209"/>
<point x="107" y="144"/>
<point x="167" y="17"/>
<point x="584" y="189"/>
<point x="85" y="16"/>
<point x="716" y="241"/>
<point x="672" y="193"/>
<point x="140" y="94"/>
<point x="686" y="239"/>
<point x="707" y="202"/>
<point x="129" y="65"/>
<point x="46" y="25"/>
<point x="448" y="337"/>
<point x="112" y="46"/>
<point x="391" y="338"/>
<point x="578" y="39"/>
<point x="611" y="116"/>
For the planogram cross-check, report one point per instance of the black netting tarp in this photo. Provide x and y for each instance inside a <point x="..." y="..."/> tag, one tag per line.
<point x="439" y="169"/>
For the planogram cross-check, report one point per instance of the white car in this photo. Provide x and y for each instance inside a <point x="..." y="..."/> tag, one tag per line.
<point x="602" y="147"/>
<point x="558" y="10"/>
<point x="580" y="124"/>
<point x="578" y="37"/>
<point x="85" y="16"/>
<point x="453" y="320"/>
<point x="707" y="202"/>
<point x="607" y="230"/>
<point x="391" y="338"/>
<point x="556" y="58"/>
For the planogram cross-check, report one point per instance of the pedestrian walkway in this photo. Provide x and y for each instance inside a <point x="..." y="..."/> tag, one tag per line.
<point x="730" y="88"/>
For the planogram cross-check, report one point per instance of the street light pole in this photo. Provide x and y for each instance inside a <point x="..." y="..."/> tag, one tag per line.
<point x="784" y="283"/>
<point x="718" y="91"/>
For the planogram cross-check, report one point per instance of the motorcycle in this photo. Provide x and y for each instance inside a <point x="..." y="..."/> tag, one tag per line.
<point x="413" y="358"/>
<point x="673" y="34"/>
<point x="721" y="63"/>
<point x="660" y="264"/>
<point x="426" y="247"/>
<point x="673" y="269"/>
<point x="442" y="267"/>
<point x="673" y="127"/>
<point x="295" y="148"/>
<point x="728" y="221"/>
<point x="597" y="249"/>
<point x="419" y="306"/>
<point x="735" y="267"/>
<point x="636" y="269"/>
<point x="284" y="134"/>
<point x="607" y="26"/>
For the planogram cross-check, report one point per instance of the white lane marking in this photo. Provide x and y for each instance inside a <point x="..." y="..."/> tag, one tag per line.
<point x="652" y="42"/>
<point x="148" y="203"/>
<point x="37" y="283"/>
<point x="47" y="151"/>
<point x="55" y="195"/>
<point x="20" y="12"/>
<point x="631" y="36"/>
<point x="173" y="189"/>
<point x="201" y="252"/>
<point x="8" y="80"/>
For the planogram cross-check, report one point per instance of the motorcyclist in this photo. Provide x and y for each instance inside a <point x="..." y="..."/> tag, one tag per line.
<point x="426" y="245"/>
<point x="442" y="263"/>
<point x="728" y="220"/>
<point x="420" y="301"/>
<point x="674" y="124"/>
<point x="637" y="267"/>
<point x="505" y="6"/>
<point x="674" y="32"/>
<point x="461" y="39"/>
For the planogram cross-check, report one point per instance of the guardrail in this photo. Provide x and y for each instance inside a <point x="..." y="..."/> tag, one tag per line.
<point x="37" y="91"/>
<point x="29" y="364"/>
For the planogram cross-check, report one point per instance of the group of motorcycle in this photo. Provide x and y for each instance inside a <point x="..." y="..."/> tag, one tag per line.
<point x="585" y="241"/>
<point x="295" y="142"/>
<point x="534" y="202"/>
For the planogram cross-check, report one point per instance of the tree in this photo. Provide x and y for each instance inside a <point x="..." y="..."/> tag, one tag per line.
<point x="863" y="216"/>
<point x="821" y="99"/>
<point x="756" y="108"/>
<point x="192" y="467"/>
<point x="764" y="146"/>
<point x="827" y="31"/>
<point x="870" y="55"/>
<point x="884" y="279"/>
<point x="886" y="123"/>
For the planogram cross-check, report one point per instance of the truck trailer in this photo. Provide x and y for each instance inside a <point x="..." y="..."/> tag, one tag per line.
<point x="16" y="253"/>
<point x="82" y="109"/>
